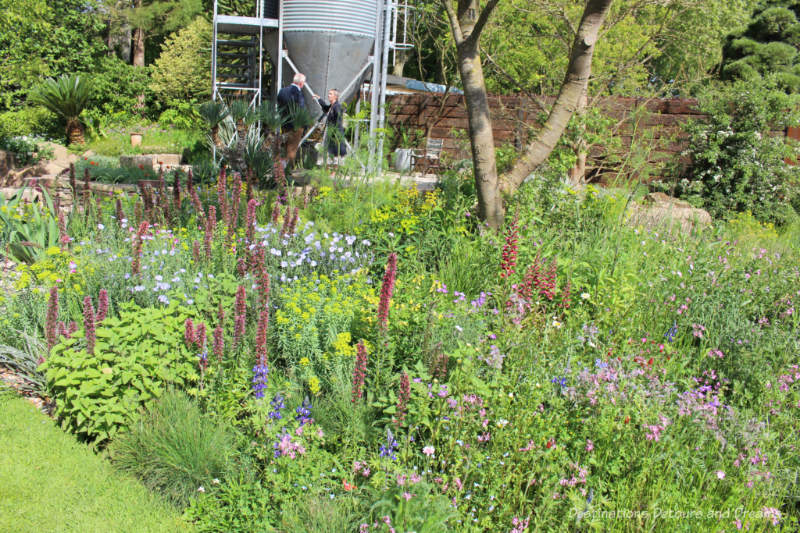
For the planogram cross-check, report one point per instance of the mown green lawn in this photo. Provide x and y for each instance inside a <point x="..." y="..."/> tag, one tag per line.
<point x="51" y="483"/>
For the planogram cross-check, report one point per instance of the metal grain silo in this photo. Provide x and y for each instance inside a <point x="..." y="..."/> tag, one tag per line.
<point x="330" y="41"/>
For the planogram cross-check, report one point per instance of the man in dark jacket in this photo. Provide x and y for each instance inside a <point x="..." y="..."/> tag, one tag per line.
<point x="289" y="99"/>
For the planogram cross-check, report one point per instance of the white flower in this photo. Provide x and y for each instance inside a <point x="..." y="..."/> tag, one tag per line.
<point x="585" y="296"/>
<point x="201" y="489"/>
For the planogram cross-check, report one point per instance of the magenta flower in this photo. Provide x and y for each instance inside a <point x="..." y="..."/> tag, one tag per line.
<point x="261" y="337"/>
<point x="219" y="343"/>
<point x="240" y="316"/>
<point x="359" y="372"/>
<point x="88" y="324"/>
<point x="386" y="291"/>
<point x="509" y="256"/>
<point x="222" y="197"/>
<point x="102" y="306"/>
<point x="188" y="333"/>
<point x="251" y="219"/>
<point x="137" y="247"/>
<point x="51" y="321"/>
<point x="404" y="394"/>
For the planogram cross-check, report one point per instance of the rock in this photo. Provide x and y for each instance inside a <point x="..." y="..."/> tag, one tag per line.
<point x="7" y="163"/>
<point x="150" y="160"/>
<point x="659" y="210"/>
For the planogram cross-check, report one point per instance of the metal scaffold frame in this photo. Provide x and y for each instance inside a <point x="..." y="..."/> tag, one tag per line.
<point x="263" y="30"/>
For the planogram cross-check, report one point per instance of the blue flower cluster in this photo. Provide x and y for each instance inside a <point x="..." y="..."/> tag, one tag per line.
<point x="260" y="379"/>
<point x="277" y="404"/>
<point x="388" y="449"/>
<point x="304" y="412"/>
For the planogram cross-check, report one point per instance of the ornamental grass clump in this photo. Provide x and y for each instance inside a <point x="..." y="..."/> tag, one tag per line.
<point x="174" y="449"/>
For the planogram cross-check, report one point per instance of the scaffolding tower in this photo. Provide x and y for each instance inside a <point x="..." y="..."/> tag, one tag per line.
<point x="271" y="27"/>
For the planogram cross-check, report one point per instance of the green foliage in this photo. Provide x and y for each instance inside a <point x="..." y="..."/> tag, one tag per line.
<point x="767" y="46"/>
<point x="40" y="39"/>
<point x="28" y="120"/>
<point x="314" y="311"/>
<point x="136" y="356"/>
<point x="645" y="47"/>
<point x="50" y="482"/>
<point x="236" y="505"/>
<point x="66" y="96"/>
<point x="182" y="71"/>
<point x="27" y="230"/>
<point x="425" y="510"/>
<point x="736" y="163"/>
<point x="213" y="112"/>
<point x="116" y="88"/>
<point x="183" y="116"/>
<point x="174" y="449"/>
<point x="26" y="150"/>
<point x="24" y="363"/>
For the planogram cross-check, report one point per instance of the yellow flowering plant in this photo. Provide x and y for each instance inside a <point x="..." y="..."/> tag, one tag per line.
<point x="317" y="319"/>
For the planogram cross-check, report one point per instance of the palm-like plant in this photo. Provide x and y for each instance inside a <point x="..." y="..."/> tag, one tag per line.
<point x="214" y="113"/>
<point x="66" y="96"/>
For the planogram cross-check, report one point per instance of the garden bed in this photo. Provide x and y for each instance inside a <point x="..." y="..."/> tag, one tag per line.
<point x="370" y="357"/>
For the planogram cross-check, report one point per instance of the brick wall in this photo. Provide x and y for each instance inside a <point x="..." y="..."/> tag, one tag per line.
<point x="512" y="116"/>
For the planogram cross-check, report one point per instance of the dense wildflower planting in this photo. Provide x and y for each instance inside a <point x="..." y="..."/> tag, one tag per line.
<point x="386" y="362"/>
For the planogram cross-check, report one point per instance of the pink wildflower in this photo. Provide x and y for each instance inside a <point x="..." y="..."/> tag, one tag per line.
<point x="88" y="324"/>
<point x="386" y="291"/>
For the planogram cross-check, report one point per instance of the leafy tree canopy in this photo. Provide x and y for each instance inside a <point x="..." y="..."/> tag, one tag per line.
<point x="768" y="45"/>
<point x="183" y="70"/>
<point x="40" y="39"/>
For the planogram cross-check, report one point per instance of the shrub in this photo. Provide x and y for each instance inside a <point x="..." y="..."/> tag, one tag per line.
<point x="117" y="87"/>
<point x="736" y="164"/>
<point x="135" y="357"/>
<point x="26" y="150"/>
<point x="174" y="449"/>
<point x="314" y="312"/>
<point x="29" y="120"/>
<point x="182" y="71"/>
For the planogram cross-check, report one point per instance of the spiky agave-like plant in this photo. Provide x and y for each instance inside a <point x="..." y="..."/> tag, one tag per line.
<point x="214" y="113"/>
<point x="66" y="96"/>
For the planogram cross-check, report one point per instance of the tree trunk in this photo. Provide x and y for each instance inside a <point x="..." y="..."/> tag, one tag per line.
<point x="467" y="25"/>
<point x="138" y="47"/>
<point x="578" y="172"/>
<point x="400" y="60"/>
<point x="490" y="203"/>
<point x="575" y="82"/>
<point x="75" y="131"/>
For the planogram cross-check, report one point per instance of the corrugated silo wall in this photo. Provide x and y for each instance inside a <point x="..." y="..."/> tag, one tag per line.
<point x="655" y="122"/>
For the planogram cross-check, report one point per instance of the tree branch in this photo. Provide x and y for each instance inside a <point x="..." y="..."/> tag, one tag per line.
<point x="458" y="35"/>
<point x="483" y="18"/>
<point x="575" y="82"/>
